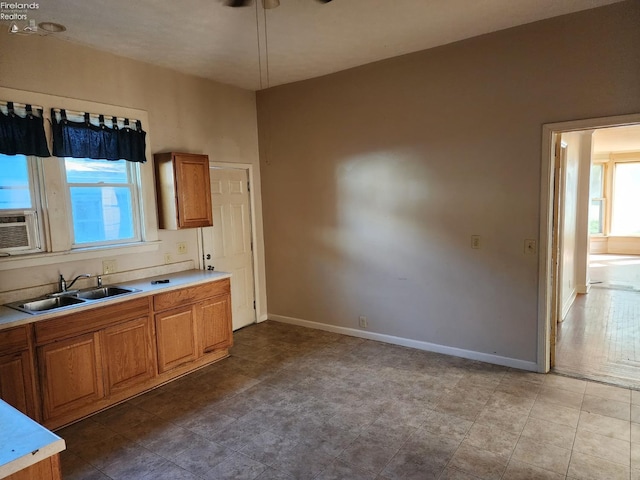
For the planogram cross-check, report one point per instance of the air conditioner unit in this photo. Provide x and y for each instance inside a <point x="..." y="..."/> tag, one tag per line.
<point x="19" y="233"/>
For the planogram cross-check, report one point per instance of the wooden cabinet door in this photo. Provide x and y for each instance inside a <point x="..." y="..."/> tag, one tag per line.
<point x="16" y="382"/>
<point x="214" y="317"/>
<point x="193" y="190"/>
<point x="176" y="337"/>
<point x="71" y="374"/>
<point x="127" y="354"/>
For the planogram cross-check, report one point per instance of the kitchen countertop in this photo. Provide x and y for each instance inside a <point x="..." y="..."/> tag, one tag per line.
<point x="23" y="442"/>
<point x="12" y="318"/>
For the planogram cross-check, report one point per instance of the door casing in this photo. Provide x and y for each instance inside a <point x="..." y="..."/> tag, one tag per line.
<point x="546" y="282"/>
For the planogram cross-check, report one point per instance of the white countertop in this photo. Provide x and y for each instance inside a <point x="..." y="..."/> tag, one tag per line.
<point x="23" y="442"/>
<point x="11" y="318"/>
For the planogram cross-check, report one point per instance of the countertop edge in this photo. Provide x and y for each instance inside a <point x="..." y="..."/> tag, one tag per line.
<point x="13" y="318"/>
<point x="38" y="442"/>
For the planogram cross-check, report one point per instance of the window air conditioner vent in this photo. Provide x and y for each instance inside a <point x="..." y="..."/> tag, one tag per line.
<point x="18" y="232"/>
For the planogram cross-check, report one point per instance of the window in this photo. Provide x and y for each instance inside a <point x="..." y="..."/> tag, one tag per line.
<point x="596" y="194"/>
<point x="103" y="199"/>
<point x="19" y="205"/>
<point x="626" y="199"/>
<point x="15" y="185"/>
<point x="54" y="206"/>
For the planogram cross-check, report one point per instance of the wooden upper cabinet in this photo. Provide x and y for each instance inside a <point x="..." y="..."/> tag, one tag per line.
<point x="183" y="190"/>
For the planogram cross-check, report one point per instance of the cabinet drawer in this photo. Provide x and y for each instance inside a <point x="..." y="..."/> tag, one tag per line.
<point x="176" y="298"/>
<point x="90" y="320"/>
<point x="14" y="340"/>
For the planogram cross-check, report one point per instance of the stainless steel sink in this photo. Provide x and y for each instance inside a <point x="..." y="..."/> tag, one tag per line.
<point x="103" y="292"/>
<point x="45" y="304"/>
<point x="68" y="300"/>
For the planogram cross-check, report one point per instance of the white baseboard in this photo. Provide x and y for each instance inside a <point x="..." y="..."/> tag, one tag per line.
<point x="407" y="342"/>
<point x="583" y="289"/>
<point x="567" y="305"/>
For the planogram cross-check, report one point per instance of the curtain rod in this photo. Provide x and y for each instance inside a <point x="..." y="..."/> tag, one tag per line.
<point x="5" y="103"/>
<point x="95" y="116"/>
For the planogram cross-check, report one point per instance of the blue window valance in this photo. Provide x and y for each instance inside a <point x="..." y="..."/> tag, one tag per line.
<point x="23" y="135"/>
<point x="100" y="142"/>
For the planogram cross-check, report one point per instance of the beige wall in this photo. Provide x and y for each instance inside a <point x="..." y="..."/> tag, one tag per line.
<point x="375" y="178"/>
<point x="185" y="113"/>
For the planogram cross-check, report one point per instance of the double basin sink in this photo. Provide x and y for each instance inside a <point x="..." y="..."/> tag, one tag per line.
<point x="69" y="299"/>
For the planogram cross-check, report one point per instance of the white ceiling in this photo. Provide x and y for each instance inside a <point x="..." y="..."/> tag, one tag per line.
<point x="305" y="38"/>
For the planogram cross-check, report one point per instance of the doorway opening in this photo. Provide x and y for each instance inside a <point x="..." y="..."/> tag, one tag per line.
<point x="589" y="319"/>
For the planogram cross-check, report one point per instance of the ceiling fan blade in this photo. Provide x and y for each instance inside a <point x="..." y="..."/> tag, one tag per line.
<point x="324" y="1"/>
<point x="238" y="3"/>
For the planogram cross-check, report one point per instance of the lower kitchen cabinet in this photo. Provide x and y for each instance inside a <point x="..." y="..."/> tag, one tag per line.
<point x="176" y="335"/>
<point x="70" y="375"/>
<point x="88" y="360"/>
<point x="127" y="355"/>
<point x="215" y="321"/>
<point x="192" y="323"/>
<point x="17" y="383"/>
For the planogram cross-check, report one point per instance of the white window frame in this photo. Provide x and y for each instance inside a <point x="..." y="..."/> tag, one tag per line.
<point x="133" y="174"/>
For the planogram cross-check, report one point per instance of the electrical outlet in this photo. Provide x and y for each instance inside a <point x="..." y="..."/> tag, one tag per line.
<point x="182" y="248"/>
<point x="530" y="246"/>
<point x="475" y="241"/>
<point x="168" y="258"/>
<point x="109" y="266"/>
<point x="362" y="321"/>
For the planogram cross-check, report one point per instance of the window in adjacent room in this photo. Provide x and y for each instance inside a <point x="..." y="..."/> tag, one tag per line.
<point x="597" y="204"/>
<point x="626" y="199"/>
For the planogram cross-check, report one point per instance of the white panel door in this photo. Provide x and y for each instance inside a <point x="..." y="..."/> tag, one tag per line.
<point x="227" y="245"/>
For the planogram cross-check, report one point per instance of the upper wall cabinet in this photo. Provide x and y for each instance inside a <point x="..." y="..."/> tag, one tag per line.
<point x="184" y="191"/>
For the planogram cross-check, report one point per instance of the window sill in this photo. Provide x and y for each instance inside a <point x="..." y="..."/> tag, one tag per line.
<point x="50" y="258"/>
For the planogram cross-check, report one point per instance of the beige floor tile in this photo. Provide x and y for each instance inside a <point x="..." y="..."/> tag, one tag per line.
<point x="565" y="398"/>
<point x="607" y="426"/>
<point x="483" y="464"/>
<point x="635" y="474"/>
<point x="635" y="413"/>
<point x="508" y="400"/>
<point x="519" y="387"/>
<point x="635" y="456"/>
<point x="635" y="433"/>
<point x="565" y="383"/>
<point x="517" y="470"/>
<point x="586" y="467"/>
<point x="492" y="439"/>
<point x="635" y="397"/>
<point x="512" y="420"/>
<point x="455" y="474"/>
<point x="542" y="455"/>
<point x="596" y="445"/>
<point x="543" y="431"/>
<point x="607" y="407"/>
<point x="450" y="425"/>
<point x="554" y="413"/>
<point x="608" y="391"/>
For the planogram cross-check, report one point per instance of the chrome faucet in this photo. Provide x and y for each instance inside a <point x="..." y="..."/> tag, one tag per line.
<point x="64" y="286"/>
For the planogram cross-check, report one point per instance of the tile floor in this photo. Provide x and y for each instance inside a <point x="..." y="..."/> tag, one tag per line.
<point x="295" y="403"/>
